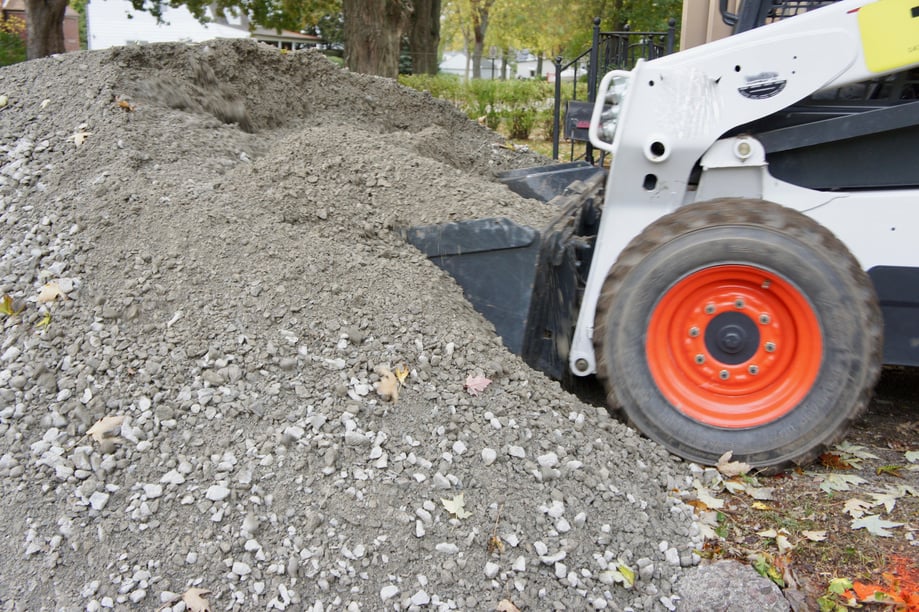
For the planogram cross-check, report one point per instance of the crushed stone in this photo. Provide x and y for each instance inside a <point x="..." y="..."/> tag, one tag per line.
<point x="220" y="222"/>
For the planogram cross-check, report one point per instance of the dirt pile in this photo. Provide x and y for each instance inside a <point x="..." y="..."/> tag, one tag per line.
<point x="215" y="223"/>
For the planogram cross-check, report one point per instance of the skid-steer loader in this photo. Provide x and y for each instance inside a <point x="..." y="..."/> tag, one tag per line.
<point x="749" y="260"/>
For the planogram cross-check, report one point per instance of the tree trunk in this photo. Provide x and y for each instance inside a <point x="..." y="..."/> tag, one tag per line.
<point x="424" y="37"/>
<point x="44" y="27"/>
<point x="373" y="35"/>
<point x="480" y="10"/>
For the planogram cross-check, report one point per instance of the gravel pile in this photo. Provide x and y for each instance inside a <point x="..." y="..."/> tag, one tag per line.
<point x="205" y="290"/>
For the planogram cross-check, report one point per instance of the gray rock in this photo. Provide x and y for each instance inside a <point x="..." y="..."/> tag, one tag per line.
<point x="728" y="586"/>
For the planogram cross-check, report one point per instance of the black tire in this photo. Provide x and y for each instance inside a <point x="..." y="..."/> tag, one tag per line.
<point x="719" y="237"/>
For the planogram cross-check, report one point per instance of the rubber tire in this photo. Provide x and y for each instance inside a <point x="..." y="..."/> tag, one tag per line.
<point x="765" y="235"/>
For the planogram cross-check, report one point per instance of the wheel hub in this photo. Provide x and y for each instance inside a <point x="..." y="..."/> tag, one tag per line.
<point x="732" y="338"/>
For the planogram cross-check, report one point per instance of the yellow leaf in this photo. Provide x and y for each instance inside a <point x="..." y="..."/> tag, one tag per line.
<point x="195" y="601"/>
<point x="45" y="320"/>
<point x="401" y="373"/>
<point x="104" y="427"/>
<point x="9" y="307"/>
<point x="456" y="506"/>
<point x="760" y="506"/>
<point x="627" y="573"/>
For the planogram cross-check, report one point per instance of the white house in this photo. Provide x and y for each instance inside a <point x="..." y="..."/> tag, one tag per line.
<point x="114" y="23"/>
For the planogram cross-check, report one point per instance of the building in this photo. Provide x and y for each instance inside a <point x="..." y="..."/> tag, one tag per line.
<point x="115" y="23"/>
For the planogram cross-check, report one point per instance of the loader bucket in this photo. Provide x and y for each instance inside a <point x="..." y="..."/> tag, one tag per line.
<point x="526" y="282"/>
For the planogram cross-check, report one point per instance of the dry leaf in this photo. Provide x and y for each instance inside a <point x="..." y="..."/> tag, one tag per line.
<point x="104" y="427"/>
<point x="195" y="601"/>
<point x="456" y="506"/>
<point x="855" y="507"/>
<point x="505" y="605"/>
<point x="79" y="137"/>
<point x="45" y="320"/>
<point x="126" y="105"/>
<point x="495" y="545"/>
<point x="875" y="525"/>
<point x="476" y="384"/>
<point x="815" y="536"/>
<point x="50" y="292"/>
<point x="388" y="386"/>
<point x="9" y="307"/>
<point x="731" y="468"/>
<point x="401" y="373"/>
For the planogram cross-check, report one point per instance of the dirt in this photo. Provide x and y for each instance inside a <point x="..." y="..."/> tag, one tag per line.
<point x="220" y="223"/>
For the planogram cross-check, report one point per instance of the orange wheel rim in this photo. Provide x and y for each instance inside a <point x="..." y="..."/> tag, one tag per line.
<point x="734" y="346"/>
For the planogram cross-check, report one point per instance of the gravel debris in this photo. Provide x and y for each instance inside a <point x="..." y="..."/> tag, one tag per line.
<point x="227" y="274"/>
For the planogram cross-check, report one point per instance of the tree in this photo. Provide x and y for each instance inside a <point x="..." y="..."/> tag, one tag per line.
<point x="373" y="35"/>
<point x="44" y="27"/>
<point x="424" y="36"/>
<point x="480" y="10"/>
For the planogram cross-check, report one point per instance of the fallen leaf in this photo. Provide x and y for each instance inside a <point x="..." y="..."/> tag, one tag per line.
<point x="388" y="386"/>
<point x="761" y="506"/>
<point x="195" y="601"/>
<point x="855" y="507"/>
<point x="912" y="456"/>
<point x="627" y="573"/>
<point x="834" y="462"/>
<point x="840" y="482"/>
<point x="476" y="384"/>
<point x="50" y="292"/>
<point x="79" y="137"/>
<point x="105" y="427"/>
<point x="875" y="525"/>
<point x="401" y="373"/>
<point x="495" y="545"/>
<point x="9" y="307"/>
<point x="505" y="605"/>
<point x="892" y="470"/>
<point x="44" y="103"/>
<point x="456" y="506"/>
<point x="853" y="450"/>
<point x="761" y="493"/>
<point x="45" y="320"/>
<point x="126" y="105"/>
<point x="705" y="497"/>
<point x="815" y="536"/>
<point x="731" y="468"/>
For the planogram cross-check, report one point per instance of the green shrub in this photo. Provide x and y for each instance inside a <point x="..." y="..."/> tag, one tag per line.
<point x="12" y="47"/>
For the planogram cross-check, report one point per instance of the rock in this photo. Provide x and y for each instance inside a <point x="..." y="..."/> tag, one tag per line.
<point x="726" y="586"/>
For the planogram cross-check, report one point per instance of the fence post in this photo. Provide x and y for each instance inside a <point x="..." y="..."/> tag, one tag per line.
<point x="593" y="68"/>
<point x="558" y="106"/>
<point x="671" y="36"/>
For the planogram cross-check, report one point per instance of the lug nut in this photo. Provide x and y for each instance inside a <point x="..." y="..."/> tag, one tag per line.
<point x="724" y="375"/>
<point x="700" y="358"/>
<point x="738" y="304"/>
<point x="753" y="369"/>
<point x="693" y="332"/>
<point x="709" y="308"/>
<point x="764" y="319"/>
<point x="770" y="347"/>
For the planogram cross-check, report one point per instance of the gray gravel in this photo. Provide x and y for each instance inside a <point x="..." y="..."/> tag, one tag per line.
<point x="229" y="282"/>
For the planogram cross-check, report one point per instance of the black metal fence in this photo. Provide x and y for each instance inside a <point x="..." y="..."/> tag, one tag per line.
<point x="608" y="51"/>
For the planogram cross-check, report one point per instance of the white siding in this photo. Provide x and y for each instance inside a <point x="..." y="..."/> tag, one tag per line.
<point x="113" y="23"/>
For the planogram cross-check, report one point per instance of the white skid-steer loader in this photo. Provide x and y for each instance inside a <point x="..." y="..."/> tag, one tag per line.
<point x="739" y="274"/>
